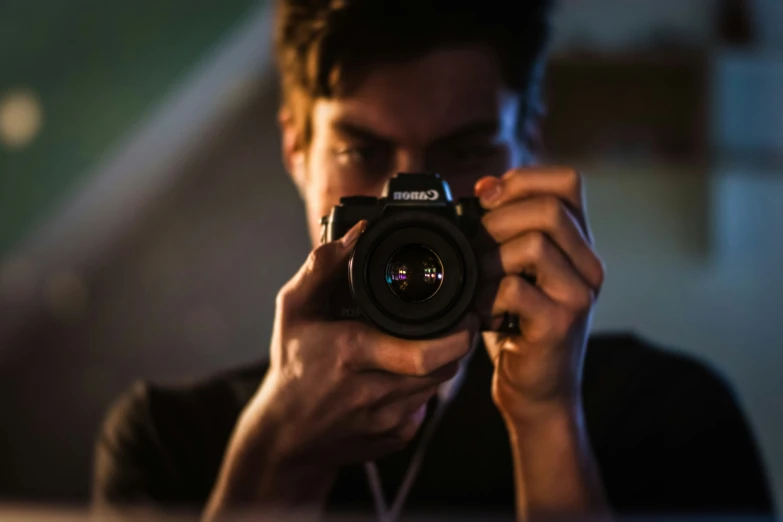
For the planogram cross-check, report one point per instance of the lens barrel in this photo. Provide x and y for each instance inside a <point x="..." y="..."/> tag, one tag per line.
<point x="413" y="274"/>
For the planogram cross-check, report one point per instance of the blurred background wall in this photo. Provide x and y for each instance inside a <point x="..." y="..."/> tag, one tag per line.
<point x="146" y="222"/>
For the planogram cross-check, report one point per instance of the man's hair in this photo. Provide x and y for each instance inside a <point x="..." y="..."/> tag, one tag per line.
<point x="319" y="43"/>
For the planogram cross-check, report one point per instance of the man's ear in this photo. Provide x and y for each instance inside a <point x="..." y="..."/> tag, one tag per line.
<point x="292" y="147"/>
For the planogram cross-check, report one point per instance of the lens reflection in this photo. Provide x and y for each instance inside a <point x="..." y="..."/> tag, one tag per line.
<point x="414" y="273"/>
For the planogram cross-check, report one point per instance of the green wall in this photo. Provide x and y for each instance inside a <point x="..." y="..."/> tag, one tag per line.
<point x="97" y="67"/>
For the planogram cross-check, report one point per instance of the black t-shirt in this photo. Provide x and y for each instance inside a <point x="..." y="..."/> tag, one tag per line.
<point x="666" y="431"/>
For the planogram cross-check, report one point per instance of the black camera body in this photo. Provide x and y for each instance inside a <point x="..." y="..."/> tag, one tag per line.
<point x="413" y="272"/>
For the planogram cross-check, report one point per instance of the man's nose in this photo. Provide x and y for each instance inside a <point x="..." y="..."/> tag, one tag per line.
<point x="409" y="160"/>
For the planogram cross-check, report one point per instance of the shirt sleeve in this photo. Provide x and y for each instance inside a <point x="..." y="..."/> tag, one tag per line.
<point x="723" y="469"/>
<point x="132" y="468"/>
<point x="702" y="457"/>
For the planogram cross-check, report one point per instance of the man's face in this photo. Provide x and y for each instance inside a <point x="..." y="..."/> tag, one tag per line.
<point x="446" y="112"/>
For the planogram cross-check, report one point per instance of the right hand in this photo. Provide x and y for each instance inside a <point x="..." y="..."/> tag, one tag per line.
<point x="338" y="392"/>
<point x="348" y="392"/>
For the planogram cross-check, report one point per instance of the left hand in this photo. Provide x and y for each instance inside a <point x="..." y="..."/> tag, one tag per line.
<point x="537" y="220"/>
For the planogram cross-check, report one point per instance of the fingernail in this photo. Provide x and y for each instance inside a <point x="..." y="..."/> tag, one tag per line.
<point x="491" y="192"/>
<point x="352" y="235"/>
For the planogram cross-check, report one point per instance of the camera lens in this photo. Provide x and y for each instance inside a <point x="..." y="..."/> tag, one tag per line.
<point x="414" y="273"/>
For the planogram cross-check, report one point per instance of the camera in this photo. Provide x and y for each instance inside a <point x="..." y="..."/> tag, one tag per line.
<point x="413" y="272"/>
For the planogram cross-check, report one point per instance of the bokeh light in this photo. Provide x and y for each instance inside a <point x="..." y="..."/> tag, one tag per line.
<point x="21" y="117"/>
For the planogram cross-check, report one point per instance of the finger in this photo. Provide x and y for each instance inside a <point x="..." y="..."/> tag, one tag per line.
<point x="370" y="349"/>
<point x="492" y="343"/>
<point x="517" y="296"/>
<point x="498" y="344"/>
<point x="548" y="215"/>
<point x="380" y="387"/>
<point x="534" y="254"/>
<point x="420" y="358"/>
<point x="526" y="182"/>
<point x="319" y="272"/>
<point x="513" y="295"/>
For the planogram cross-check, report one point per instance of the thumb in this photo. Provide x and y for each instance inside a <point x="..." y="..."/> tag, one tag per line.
<point x="307" y="288"/>
<point x="492" y="343"/>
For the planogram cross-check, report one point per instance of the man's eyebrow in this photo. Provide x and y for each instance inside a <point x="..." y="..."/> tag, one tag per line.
<point x="358" y="132"/>
<point x="479" y="128"/>
<point x="476" y="129"/>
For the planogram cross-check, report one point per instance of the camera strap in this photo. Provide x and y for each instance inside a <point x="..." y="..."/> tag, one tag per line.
<point x="391" y="513"/>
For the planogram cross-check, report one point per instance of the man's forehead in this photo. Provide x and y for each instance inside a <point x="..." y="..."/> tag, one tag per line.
<point x="421" y="100"/>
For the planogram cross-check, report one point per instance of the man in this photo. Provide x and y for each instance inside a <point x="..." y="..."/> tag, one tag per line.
<point x="344" y="417"/>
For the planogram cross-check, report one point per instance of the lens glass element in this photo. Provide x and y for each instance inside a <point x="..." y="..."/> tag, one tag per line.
<point x="414" y="273"/>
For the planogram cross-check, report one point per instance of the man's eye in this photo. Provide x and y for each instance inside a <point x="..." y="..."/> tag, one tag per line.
<point x="356" y="155"/>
